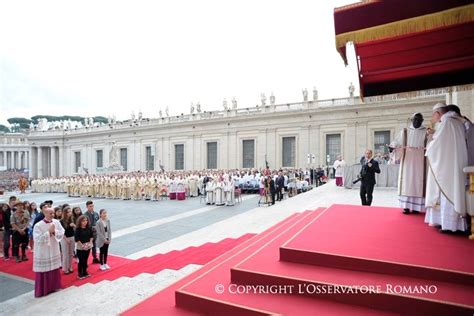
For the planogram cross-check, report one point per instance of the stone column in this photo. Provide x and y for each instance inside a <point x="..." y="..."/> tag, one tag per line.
<point x="2" y="158"/>
<point x="8" y="159"/>
<point x="61" y="161"/>
<point x="53" y="161"/>
<point x="31" y="164"/>
<point x="40" y="162"/>
<point x="21" y="158"/>
<point x="18" y="160"/>
<point x="14" y="159"/>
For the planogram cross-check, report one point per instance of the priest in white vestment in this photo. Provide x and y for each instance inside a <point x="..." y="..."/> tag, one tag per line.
<point x="193" y="185"/>
<point x="229" y="189"/>
<point x="219" y="192"/>
<point x="446" y="181"/>
<point x="338" y="166"/>
<point x="410" y="151"/>
<point x="47" y="257"/>
<point x="210" y="192"/>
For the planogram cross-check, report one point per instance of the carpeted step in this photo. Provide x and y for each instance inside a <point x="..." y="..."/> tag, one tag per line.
<point x="385" y="242"/>
<point x="175" y="260"/>
<point x="163" y="303"/>
<point x="390" y="292"/>
<point x="214" y="293"/>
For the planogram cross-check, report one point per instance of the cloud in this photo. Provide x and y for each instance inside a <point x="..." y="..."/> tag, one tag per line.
<point x="113" y="57"/>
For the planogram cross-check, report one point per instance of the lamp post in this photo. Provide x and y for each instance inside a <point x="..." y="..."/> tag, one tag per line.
<point x="328" y="160"/>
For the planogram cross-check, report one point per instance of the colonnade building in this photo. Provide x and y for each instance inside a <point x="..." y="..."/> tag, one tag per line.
<point x="14" y="151"/>
<point x="299" y="135"/>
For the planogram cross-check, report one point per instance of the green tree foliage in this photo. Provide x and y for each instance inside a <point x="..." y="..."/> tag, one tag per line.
<point x="50" y="118"/>
<point x="19" y="123"/>
<point x="5" y="129"/>
<point x="100" y="119"/>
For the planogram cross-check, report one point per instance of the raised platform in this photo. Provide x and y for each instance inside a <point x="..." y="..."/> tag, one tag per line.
<point x="380" y="239"/>
<point x="344" y="260"/>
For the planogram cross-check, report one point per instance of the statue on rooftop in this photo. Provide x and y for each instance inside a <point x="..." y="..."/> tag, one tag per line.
<point x="305" y="95"/>
<point x="272" y="99"/>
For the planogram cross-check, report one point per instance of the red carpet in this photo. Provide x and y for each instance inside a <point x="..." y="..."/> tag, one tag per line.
<point x="25" y="269"/>
<point x="345" y="239"/>
<point x="125" y="267"/>
<point x="163" y="303"/>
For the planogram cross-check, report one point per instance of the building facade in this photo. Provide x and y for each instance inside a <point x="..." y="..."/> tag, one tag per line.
<point x="304" y="134"/>
<point x="14" y="151"/>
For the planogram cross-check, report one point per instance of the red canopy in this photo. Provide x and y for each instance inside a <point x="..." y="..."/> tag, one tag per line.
<point x="406" y="45"/>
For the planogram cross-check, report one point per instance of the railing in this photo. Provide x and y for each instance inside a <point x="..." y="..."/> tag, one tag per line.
<point x="287" y="107"/>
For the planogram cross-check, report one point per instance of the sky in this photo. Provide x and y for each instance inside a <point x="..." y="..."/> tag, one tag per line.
<point x="108" y="58"/>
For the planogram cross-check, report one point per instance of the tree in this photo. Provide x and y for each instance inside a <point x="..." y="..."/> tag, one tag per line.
<point x="35" y="118"/>
<point x="19" y="123"/>
<point x="5" y="129"/>
<point x="101" y="119"/>
<point x="51" y="118"/>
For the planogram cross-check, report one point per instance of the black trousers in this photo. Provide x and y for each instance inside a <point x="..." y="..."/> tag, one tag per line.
<point x="82" y="255"/>
<point x="366" y="191"/>
<point x="272" y="195"/>
<point x="279" y="193"/>
<point x="94" y="248"/>
<point x="103" y="252"/>
<point x="7" y="233"/>
<point x="19" y="240"/>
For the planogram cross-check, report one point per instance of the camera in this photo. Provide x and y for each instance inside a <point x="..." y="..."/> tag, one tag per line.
<point x="362" y="174"/>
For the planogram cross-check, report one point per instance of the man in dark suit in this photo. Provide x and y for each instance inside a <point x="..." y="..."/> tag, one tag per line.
<point x="280" y="184"/>
<point x="367" y="174"/>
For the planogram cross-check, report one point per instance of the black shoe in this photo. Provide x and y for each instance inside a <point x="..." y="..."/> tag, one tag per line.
<point x="415" y="212"/>
<point x="24" y="258"/>
<point x="95" y="260"/>
<point x="17" y="259"/>
<point x="406" y="211"/>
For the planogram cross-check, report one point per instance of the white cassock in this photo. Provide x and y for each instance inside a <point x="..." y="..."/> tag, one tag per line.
<point x="411" y="177"/>
<point x="339" y="167"/>
<point x="173" y="186"/>
<point x="47" y="256"/>
<point x="193" y="188"/>
<point x="229" y="190"/>
<point x="210" y="192"/>
<point x="446" y="181"/>
<point x="219" y="193"/>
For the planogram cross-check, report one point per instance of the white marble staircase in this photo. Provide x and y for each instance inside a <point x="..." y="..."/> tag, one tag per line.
<point x="103" y="298"/>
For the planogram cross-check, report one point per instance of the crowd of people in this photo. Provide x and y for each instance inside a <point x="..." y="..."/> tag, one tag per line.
<point x="9" y="179"/>
<point x="61" y="235"/>
<point x="219" y="186"/>
<point x="55" y="235"/>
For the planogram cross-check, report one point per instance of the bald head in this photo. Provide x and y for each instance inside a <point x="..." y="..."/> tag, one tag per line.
<point x="48" y="213"/>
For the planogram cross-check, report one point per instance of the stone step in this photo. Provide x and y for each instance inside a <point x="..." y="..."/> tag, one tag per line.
<point x="133" y="290"/>
<point x="104" y="298"/>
